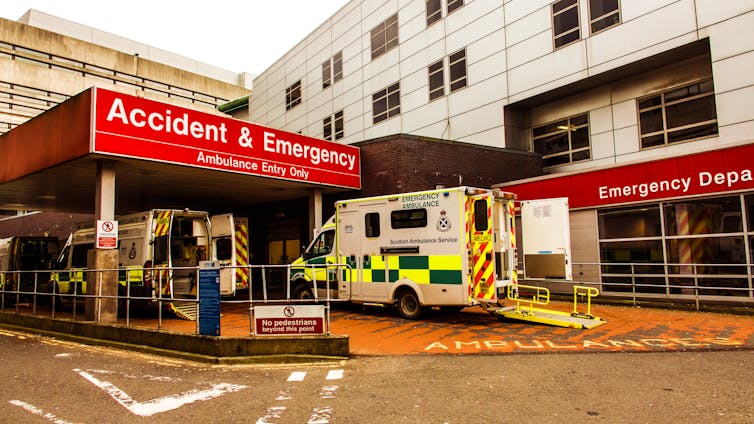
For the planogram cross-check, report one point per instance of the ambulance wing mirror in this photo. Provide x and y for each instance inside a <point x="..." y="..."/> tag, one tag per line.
<point x="546" y="239"/>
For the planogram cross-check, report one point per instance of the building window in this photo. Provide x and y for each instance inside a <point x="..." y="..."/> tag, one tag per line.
<point x="681" y="114"/>
<point x="565" y="22"/>
<point x="332" y="127"/>
<point x="409" y="218"/>
<point x="434" y="11"/>
<point x="564" y="141"/>
<point x="456" y="70"/>
<point x="293" y="95"/>
<point x="384" y="36"/>
<point x="453" y="5"/>
<point x="436" y="80"/>
<point x="678" y="247"/>
<point x="603" y="14"/>
<point x="457" y="65"/>
<point x="332" y="70"/>
<point x="386" y="103"/>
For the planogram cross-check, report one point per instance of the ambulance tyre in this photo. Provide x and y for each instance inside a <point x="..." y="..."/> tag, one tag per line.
<point x="408" y="304"/>
<point x="302" y="291"/>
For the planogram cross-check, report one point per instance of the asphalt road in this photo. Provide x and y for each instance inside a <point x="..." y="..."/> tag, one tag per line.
<point x="47" y="380"/>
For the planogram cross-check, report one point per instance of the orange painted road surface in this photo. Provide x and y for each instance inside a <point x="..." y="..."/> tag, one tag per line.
<point x="379" y="331"/>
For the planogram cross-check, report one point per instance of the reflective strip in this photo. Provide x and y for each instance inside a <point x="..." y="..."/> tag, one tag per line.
<point x="242" y="255"/>
<point x="421" y="269"/>
<point x="162" y="223"/>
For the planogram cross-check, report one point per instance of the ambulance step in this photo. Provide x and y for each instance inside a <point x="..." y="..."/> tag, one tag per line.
<point x="549" y="317"/>
<point x="184" y="310"/>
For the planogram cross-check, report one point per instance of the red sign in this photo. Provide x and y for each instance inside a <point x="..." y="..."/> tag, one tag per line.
<point x="716" y="171"/>
<point x="107" y="234"/>
<point x="289" y="320"/>
<point x="134" y="127"/>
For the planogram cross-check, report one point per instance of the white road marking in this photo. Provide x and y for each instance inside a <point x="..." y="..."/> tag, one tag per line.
<point x="271" y="414"/>
<point x="36" y="411"/>
<point x="297" y="376"/>
<point x="162" y="404"/>
<point x="334" y="375"/>
<point x="320" y="415"/>
<point x="64" y="355"/>
<point x="285" y="394"/>
<point x="328" y="392"/>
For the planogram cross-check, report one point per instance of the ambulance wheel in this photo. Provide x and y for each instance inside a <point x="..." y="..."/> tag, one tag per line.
<point x="302" y="292"/>
<point x="408" y="304"/>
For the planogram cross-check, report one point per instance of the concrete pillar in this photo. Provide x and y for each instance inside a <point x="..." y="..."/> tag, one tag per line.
<point x="105" y="283"/>
<point x="315" y="210"/>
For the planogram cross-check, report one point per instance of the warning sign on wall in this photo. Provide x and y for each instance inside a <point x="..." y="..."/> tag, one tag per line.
<point x="107" y="234"/>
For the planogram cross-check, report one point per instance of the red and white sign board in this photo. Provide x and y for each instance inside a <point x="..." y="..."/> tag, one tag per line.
<point x="139" y="128"/>
<point x="287" y="320"/>
<point x="107" y="234"/>
<point x="716" y="171"/>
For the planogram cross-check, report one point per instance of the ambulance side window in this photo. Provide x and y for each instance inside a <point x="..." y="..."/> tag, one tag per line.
<point x="372" y="224"/>
<point x="481" y="222"/>
<point x="409" y="218"/>
<point x="79" y="254"/>
<point x="223" y="248"/>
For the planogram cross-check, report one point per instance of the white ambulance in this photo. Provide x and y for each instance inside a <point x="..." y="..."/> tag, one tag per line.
<point x="450" y="247"/>
<point x="158" y="252"/>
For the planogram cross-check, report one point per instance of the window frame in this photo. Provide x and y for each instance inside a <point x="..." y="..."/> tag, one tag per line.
<point x="408" y="218"/>
<point x="333" y="126"/>
<point x="436" y="92"/>
<point x="381" y="40"/>
<point x="293" y="95"/>
<point x="576" y="29"/>
<point x="457" y="79"/>
<point x="593" y="20"/>
<point x="663" y="107"/>
<point x="454" y="5"/>
<point x="568" y="129"/>
<point x="390" y="110"/>
<point x="434" y="15"/>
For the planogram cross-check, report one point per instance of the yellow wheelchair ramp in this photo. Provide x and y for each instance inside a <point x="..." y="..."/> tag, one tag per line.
<point x="549" y="317"/>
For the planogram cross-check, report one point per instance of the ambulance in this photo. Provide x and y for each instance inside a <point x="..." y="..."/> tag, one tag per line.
<point x="449" y="247"/>
<point x="158" y="252"/>
<point x="25" y="263"/>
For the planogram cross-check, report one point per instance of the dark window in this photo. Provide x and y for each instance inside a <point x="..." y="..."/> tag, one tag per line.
<point x="293" y="95"/>
<point x="322" y="245"/>
<point x="384" y="36"/>
<point x="79" y="255"/>
<point x="457" y="70"/>
<point x="434" y="11"/>
<point x="481" y="219"/>
<point x="408" y="218"/>
<point x="372" y="224"/>
<point x="337" y="66"/>
<point x="565" y="22"/>
<point x="453" y="5"/>
<point x="436" y="80"/>
<point x="224" y="248"/>
<point x="326" y="74"/>
<point x="332" y="127"/>
<point x="386" y="103"/>
<point x="603" y="14"/>
<point x="681" y="114"/>
<point x="564" y="141"/>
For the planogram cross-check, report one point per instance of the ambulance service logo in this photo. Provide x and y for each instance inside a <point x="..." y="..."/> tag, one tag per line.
<point x="443" y="223"/>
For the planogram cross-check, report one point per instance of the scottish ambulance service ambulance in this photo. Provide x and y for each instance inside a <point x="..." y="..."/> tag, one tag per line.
<point x="158" y="252"/>
<point x="449" y="247"/>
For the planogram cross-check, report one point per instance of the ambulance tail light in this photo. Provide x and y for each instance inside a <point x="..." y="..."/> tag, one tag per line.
<point x="147" y="275"/>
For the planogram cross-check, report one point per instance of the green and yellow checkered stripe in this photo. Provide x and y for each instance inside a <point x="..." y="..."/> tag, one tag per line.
<point x="434" y="269"/>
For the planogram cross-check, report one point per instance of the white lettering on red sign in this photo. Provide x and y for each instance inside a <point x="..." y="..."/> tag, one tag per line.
<point x="164" y="122"/>
<point x="676" y="185"/>
<point x="313" y="153"/>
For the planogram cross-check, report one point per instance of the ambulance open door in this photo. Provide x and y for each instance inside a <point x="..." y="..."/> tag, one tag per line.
<point x="223" y="251"/>
<point x="546" y="239"/>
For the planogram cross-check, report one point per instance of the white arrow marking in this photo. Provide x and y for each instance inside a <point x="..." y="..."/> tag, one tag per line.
<point x="162" y="404"/>
<point x="36" y="411"/>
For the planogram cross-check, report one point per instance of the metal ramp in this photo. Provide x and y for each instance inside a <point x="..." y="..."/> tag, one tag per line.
<point x="541" y="296"/>
<point x="184" y="310"/>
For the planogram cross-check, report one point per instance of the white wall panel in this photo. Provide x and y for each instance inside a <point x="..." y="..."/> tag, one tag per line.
<point x="734" y="72"/>
<point x="518" y="9"/>
<point x="725" y="37"/>
<point x="736" y="106"/>
<point x="713" y="11"/>
<point x="546" y="69"/>
<point x="602" y="146"/>
<point x="538" y="22"/>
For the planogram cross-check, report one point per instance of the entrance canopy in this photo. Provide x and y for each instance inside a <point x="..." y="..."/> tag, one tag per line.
<point x="164" y="156"/>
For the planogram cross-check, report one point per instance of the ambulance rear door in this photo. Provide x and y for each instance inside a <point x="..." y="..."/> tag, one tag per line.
<point x="223" y="251"/>
<point x="481" y="234"/>
<point x="546" y="239"/>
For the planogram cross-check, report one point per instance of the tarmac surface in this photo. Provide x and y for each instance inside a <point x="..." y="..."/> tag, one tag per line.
<point x="379" y="331"/>
<point x="375" y="331"/>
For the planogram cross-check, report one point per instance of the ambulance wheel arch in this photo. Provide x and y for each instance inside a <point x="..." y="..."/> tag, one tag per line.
<point x="408" y="300"/>
<point x="301" y="289"/>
